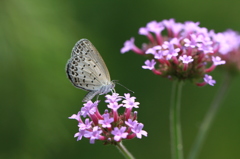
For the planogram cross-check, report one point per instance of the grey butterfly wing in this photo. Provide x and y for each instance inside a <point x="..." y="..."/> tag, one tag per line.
<point x="85" y="48"/>
<point x="87" y="70"/>
<point x="81" y="78"/>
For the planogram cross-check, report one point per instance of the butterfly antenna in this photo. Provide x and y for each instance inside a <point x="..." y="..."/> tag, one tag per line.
<point x="124" y="87"/>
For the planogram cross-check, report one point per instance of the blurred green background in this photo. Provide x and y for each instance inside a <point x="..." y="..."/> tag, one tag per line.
<point x="36" y="38"/>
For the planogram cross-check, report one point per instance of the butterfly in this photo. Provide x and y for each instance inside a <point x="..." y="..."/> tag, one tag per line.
<point x="87" y="70"/>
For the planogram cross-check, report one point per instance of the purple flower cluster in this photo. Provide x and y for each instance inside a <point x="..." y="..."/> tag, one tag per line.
<point x="186" y="52"/>
<point x="229" y="49"/>
<point x="109" y="127"/>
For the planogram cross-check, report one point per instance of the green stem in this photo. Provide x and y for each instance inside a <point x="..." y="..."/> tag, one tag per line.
<point x="124" y="151"/>
<point x="209" y="117"/>
<point x="175" y="125"/>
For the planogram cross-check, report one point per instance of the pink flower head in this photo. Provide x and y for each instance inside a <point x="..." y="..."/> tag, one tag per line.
<point x="229" y="50"/>
<point x="228" y="41"/>
<point x="111" y="126"/>
<point x="185" y="43"/>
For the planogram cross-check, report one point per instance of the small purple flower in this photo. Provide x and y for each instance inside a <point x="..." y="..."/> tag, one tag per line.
<point x="203" y="31"/>
<point x="137" y="129"/>
<point x="114" y="106"/>
<point x="157" y="47"/>
<point x="192" y="42"/>
<point x="112" y="98"/>
<point x="128" y="45"/>
<point x="205" y="48"/>
<point x="155" y="27"/>
<point x="89" y="108"/>
<point x="176" y="29"/>
<point x="190" y="26"/>
<point x="95" y="134"/>
<point x="127" y="95"/>
<point x="218" y="61"/>
<point x="160" y="54"/>
<point x="106" y="122"/>
<point x="76" y="117"/>
<point x="208" y="79"/>
<point x="143" y="31"/>
<point x="130" y="103"/>
<point x="149" y="64"/>
<point x="86" y="125"/>
<point x="80" y="134"/>
<point x="156" y="51"/>
<point x="172" y="26"/>
<point x="186" y="59"/>
<point x="151" y="51"/>
<point x="206" y="40"/>
<point x="119" y="133"/>
<point x="169" y="23"/>
<point x="174" y="41"/>
<point x="171" y="50"/>
<point x="131" y="123"/>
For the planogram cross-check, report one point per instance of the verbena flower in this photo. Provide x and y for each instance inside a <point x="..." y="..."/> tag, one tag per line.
<point x="187" y="51"/>
<point x="110" y="127"/>
<point x="229" y="49"/>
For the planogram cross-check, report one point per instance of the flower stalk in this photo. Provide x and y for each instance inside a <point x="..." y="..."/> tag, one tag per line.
<point x="175" y="124"/>
<point x="186" y="51"/>
<point x="209" y="117"/>
<point x="124" y="151"/>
